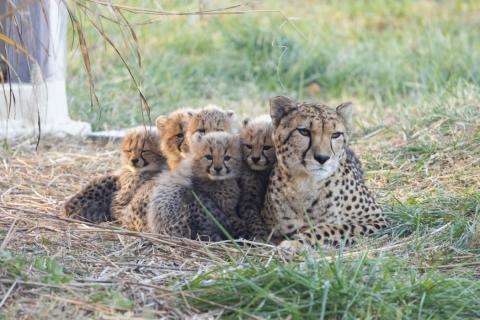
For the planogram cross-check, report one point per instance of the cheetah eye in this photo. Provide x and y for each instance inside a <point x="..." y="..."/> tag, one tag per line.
<point x="202" y="131"/>
<point x="208" y="157"/>
<point x="226" y="158"/>
<point x="304" y="132"/>
<point x="335" y="135"/>
<point x="248" y="146"/>
<point x="180" y="135"/>
<point x="267" y="148"/>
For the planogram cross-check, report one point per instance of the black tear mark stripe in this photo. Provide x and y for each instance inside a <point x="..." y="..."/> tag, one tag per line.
<point x="211" y="161"/>
<point x="304" y="154"/>
<point x="224" y="163"/>
<point x="289" y="136"/>
<point x="331" y="140"/>
<point x="182" y="131"/>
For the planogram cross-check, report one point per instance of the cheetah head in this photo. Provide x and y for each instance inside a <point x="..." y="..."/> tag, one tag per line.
<point x="140" y="150"/>
<point x="257" y="143"/>
<point x="209" y="119"/>
<point x="310" y="138"/>
<point x="172" y="129"/>
<point x="216" y="156"/>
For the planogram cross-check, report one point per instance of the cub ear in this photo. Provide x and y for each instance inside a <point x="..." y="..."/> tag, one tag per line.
<point x="160" y="122"/>
<point x="230" y="114"/>
<point x="245" y="122"/>
<point x="279" y="107"/>
<point x="196" y="137"/>
<point x="345" y="110"/>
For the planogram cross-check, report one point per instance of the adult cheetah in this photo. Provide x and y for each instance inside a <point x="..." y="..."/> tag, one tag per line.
<point x="316" y="193"/>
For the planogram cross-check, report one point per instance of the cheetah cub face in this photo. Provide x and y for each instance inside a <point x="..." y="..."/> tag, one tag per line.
<point x="216" y="156"/>
<point x="311" y="139"/>
<point x="257" y="143"/>
<point x="172" y="129"/>
<point x="140" y="151"/>
<point x="209" y="119"/>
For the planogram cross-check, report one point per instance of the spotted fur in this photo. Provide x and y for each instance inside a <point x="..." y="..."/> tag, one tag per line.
<point x="208" y="119"/>
<point x="316" y="192"/>
<point x="172" y="129"/>
<point x="259" y="157"/>
<point x="209" y="173"/>
<point x="104" y="198"/>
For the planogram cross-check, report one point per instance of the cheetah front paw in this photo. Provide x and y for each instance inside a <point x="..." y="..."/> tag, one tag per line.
<point x="292" y="246"/>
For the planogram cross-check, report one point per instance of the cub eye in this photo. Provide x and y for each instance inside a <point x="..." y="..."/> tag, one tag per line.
<point x="335" y="135"/>
<point x="226" y="158"/>
<point x="267" y="148"/>
<point x="208" y="157"/>
<point x="304" y="132"/>
<point x="248" y="146"/>
<point x="180" y="135"/>
<point x="201" y="130"/>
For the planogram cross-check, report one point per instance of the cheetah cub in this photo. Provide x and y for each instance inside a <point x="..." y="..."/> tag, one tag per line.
<point x="208" y="119"/>
<point x="172" y="129"/>
<point x="259" y="156"/>
<point x="257" y="143"/>
<point x="316" y="192"/>
<point x="104" y="197"/>
<point x="209" y="173"/>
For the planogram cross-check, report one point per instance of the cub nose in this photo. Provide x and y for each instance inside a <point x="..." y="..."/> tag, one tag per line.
<point x="217" y="169"/>
<point x="135" y="161"/>
<point x="321" y="158"/>
<point x="255" y="159"/>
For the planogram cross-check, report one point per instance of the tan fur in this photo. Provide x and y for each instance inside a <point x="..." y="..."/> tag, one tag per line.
<point x="259" y="156"/>
<point x="209" y="119"/>
<point x="316" y="191"/>
<point x="104" y="198"/>
<point x="210" y="171"/>
<point x="173" y="129"/>
<point x="257" y="142"/>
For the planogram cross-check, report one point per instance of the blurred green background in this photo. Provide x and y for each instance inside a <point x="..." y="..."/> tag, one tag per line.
<point x="384" y="55"/>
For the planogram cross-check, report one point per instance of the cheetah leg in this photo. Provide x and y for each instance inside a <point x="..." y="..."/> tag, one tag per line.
<point x="255" y="227"/>
<point x="250" y="206"/>
<point x="93" y="202"/>
<point x="330" y="235"/>
<point x="206" y="225"/>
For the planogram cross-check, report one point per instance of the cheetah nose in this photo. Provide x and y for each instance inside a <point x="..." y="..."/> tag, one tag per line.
<point x="321" y="158"/>
<point x="255" y="159"/>
<point x="217" y="169"/>
<point x="135" y="161"/>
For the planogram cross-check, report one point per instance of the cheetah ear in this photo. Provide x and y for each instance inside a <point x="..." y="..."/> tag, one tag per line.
<point x="245" y="122"/>
<point x="279" y="107"/>
<point x="161" y="122"/>
<point x="230" y="114"/>
<point x="345" y="111"/>
<point x="197" y="137"/>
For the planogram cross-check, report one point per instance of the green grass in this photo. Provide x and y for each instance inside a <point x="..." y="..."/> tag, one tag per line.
<point x="385" y="54"/>
<point x="380" y="288"/>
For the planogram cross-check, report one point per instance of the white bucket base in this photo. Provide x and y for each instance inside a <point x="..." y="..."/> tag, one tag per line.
<point x="27" y="103"/>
